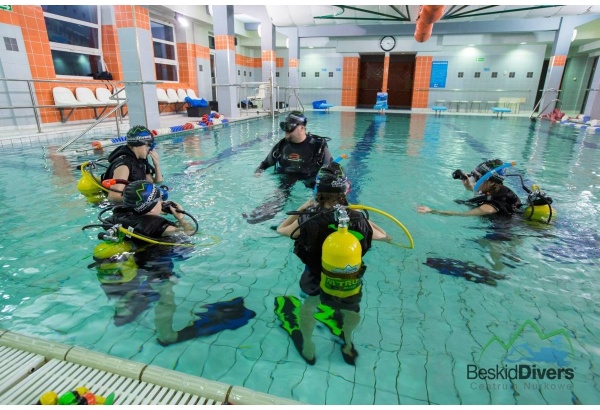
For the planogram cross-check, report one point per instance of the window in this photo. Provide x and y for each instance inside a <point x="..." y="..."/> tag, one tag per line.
<point x="211" y="42"/>
<point x="277" y="74"/>
<point x="477" y="74"/>
<point x="303" y="74"/>
<point x="331" y="74"/>
<point x="530" y="74"/>
<point x="494" y="74"/>
<point x="511" y="74"/>
<point x="317" y="73"/>
<point x="461" y="74"/>
<point x="75" y="39"/>
<point x="165" y="51"/>
<point x="11" y="44"/>
<point x="239" y="72"/>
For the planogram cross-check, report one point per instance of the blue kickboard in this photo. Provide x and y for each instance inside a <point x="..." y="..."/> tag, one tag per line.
<point x="500" y="109"/>
<point x="438" y="108"/>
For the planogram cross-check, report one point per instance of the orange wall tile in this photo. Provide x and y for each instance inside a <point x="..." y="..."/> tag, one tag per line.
<point x="111" y="51"/>
<point x="558" y="61"/>
<point x="350" y="81"/>
<point x="224" y="42"/>
<point x="132" y="16"/>
<point x="386" y="72"/>
<point x="420" y="95"/>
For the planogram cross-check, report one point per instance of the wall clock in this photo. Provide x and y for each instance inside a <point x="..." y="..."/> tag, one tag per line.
<point x="387" y="43"/>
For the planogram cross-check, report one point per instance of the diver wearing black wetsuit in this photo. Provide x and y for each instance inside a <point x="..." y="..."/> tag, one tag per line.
<point x="297" y="156"/>
<point x="130" y="162"/>
<point x="494" y="197"/>
<point x="310" y="229"/>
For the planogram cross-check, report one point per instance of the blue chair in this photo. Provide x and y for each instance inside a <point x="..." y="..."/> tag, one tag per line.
<point x="381" y="103"/>
<point x="321" y="105"/>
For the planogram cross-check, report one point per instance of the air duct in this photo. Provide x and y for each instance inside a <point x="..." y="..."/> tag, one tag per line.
<point x="427" y="16"/>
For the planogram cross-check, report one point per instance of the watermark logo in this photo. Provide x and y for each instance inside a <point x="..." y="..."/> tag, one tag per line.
<point x="538" y="359"/>
<point x="553" y="353"/>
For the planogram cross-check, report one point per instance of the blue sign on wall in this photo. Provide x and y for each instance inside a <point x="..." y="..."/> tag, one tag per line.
<point x="439" y="72"/>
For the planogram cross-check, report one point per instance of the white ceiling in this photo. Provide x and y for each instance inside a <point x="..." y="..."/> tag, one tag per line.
<point x="303" y="15"/>
<point x="332" y="16"/>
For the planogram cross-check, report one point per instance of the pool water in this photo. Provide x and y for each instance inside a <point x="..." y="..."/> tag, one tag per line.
<point x="428" y="335"/>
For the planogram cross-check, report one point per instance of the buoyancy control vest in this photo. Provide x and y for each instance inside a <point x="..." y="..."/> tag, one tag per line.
<point x="138" y="168"/>
<point x="305" y="158"/>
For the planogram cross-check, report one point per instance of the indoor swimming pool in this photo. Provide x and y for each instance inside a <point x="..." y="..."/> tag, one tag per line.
<point x="476" y="313"/>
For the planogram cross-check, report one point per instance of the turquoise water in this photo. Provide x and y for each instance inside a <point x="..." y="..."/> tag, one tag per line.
<point x="421" y="332"/>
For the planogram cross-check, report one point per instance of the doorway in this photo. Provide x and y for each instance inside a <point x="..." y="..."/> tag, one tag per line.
<point x="370" y="78"/>
<point x="540" y="91"/>
<point x="400" y="80"/>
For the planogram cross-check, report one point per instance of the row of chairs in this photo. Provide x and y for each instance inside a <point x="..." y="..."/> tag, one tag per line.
<point x="467" y="105"/>
<point x="67" y="102"/>
<point x="470" y="106"/>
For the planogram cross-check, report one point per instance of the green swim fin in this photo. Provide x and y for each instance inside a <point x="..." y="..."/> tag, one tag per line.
<point x="331" y="318"/>
<point x="287" y="309"/>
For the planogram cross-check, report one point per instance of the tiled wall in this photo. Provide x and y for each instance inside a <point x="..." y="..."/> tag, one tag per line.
<point x="512" y="65"/>
<point x="321" y="77"/>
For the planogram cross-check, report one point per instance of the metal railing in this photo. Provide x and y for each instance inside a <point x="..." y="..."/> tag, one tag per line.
<point x="36" y="107"/>
<point x="536" y="106"/>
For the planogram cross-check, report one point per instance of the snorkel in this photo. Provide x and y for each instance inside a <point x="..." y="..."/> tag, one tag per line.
<point x="493" y="172"/>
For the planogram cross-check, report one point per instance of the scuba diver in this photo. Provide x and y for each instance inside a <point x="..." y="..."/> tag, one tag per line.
<point x="332" y="255"/>
<point x="496" y="200"/>
<point x="135" y="265"/>
<point x="487" y="182"/>
<point x="130" y="162"/>
<point x="297" y="156"/>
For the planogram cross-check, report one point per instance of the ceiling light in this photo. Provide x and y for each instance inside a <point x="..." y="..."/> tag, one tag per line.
<point x="523" y="42"/>
<point x="182" y="20"/>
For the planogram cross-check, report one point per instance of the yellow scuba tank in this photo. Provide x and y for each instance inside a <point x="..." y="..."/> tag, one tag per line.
<point x="341" y="261"/>
<point x="115" y="263"/>
<point x="105" y="250"/>
<point x="538" y="206"/>
<point x="89" y="186"/>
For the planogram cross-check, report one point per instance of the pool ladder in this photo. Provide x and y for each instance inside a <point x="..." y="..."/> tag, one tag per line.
<point x="547" y="105"/>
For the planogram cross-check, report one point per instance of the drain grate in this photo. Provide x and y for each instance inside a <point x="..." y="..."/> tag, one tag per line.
<point x="15" y="365"/>
<point x="60" y="377"/>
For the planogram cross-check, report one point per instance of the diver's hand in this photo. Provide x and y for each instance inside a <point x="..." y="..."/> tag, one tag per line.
<point x="422" y="209"/>
<point x="258" y="172"/>
<point x="176" y="210"/>
<point x="155" y="158"/>
<point x="468" y="184"/>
